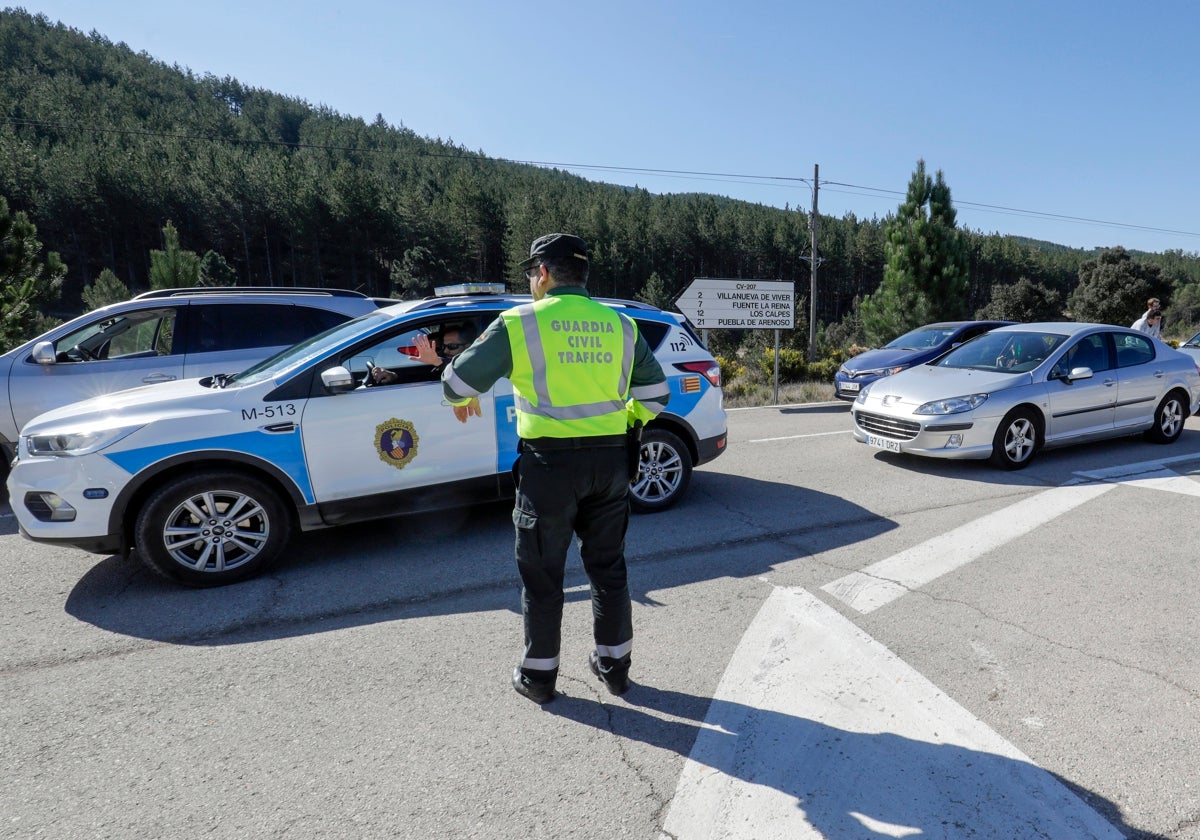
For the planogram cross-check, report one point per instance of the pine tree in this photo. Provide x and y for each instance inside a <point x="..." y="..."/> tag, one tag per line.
<point x="926" y="276"/>
<point x="107" y="289"/>
<point x="216" y="271"/>
<point x="173" y="267"/>
<point x="655" y="292"/>
<point x="26" y="283"/>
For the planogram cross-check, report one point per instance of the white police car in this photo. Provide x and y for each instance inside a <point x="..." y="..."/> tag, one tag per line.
<point x="207" y="479"/>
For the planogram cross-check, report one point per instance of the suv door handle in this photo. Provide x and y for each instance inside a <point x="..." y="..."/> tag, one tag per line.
<point x="155" y="378"/>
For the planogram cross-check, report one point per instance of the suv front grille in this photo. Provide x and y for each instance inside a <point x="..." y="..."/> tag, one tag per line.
<point x="877" y="424"/>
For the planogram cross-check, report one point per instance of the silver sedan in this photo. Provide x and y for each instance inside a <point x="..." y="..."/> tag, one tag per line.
<point x="1017" y="389"/>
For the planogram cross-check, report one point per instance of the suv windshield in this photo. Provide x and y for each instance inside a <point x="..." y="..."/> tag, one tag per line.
<point x="286" y="360"/>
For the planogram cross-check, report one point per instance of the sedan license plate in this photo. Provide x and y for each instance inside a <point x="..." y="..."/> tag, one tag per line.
<point x="883" y="443"/>
<point x="850" y="386"/>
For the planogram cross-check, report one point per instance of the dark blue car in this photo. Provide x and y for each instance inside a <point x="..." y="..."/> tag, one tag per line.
<point x="913" y="348"/>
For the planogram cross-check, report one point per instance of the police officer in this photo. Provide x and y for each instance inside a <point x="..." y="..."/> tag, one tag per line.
<point x="581" y="377"/>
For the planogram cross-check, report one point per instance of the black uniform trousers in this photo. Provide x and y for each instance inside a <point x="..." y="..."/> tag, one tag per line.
<point x="574" y="486"/>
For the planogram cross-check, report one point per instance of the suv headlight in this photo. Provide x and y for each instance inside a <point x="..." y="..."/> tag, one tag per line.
<point x="76" y="443"/>
<point x="954" y="405"/>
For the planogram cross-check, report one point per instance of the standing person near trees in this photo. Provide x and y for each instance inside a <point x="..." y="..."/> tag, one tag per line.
<point x="1148" y="325"/>
<point x="582" y="376"/>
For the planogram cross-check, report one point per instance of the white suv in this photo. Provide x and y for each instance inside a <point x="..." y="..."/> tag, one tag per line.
<point x="162" y="336"/>
<point x="208" y="478"/>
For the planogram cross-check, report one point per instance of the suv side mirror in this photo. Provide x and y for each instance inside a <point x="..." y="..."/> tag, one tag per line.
<point x="43" y="353"/>
<point x="337" y="379"/>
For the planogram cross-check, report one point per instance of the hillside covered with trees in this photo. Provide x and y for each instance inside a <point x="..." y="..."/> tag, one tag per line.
<point x="102" y="149"/>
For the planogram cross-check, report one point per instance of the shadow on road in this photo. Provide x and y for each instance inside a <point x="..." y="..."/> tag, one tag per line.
<point x="852" y="784"/>
<point x="729" y="526"/>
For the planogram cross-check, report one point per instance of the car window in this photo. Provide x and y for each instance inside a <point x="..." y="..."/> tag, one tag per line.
<point x="1091" y="351"/>
<point x="398" y="351"/>
<point x="148" y="332"/>
<point x="243" y="326"/>
<point x="1133" y="349"/>
<point x="653" y="331"/>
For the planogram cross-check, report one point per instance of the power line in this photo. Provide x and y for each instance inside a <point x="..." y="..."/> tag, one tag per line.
<point x="719" y="177"/>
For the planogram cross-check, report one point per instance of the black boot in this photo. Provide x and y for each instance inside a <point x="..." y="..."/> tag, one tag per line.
<point x="615" y="678"/>
<point x="538" y="692"/>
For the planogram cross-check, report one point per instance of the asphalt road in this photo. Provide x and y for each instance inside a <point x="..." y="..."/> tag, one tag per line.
<point x="830" y="642"/>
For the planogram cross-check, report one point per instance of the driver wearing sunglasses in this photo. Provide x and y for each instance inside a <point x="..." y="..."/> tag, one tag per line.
<point x="438" y="352"/>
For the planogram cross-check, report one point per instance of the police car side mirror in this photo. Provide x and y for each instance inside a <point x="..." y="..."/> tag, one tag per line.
<point x="43" y="353"/>
<point x="337" y="379"/>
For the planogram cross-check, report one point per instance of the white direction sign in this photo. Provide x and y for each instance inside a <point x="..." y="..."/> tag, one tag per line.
<point x="712" y="303"/>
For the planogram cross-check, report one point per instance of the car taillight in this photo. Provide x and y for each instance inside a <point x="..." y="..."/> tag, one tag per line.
<point x="409" y="351"/>
<point x="709" y="370"/>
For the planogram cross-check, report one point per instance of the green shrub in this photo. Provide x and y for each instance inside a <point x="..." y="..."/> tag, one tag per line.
<point x="824" y="369"/>
<point x="791" y="364"/>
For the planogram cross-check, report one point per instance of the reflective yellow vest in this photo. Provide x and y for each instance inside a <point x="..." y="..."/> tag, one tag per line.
<point x="571" y="363"/>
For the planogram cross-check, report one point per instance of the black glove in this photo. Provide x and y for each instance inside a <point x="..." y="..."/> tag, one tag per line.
<point x="633" y="448"/>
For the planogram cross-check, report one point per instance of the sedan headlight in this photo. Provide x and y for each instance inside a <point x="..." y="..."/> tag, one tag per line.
<point x="75" y="443"/>
<point x="954" y="405"/>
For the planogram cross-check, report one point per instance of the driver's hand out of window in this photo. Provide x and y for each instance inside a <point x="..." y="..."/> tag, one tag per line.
<point x="383" y="376"/>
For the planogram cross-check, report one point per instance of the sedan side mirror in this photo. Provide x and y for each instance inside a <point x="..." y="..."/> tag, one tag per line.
<point x="43" y="353"/>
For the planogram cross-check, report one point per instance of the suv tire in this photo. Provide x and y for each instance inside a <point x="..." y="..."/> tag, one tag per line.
<point x="664" y="470"/>
<point x="212" y="528"/>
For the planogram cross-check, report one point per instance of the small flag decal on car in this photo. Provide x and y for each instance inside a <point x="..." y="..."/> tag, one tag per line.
<point x="690" y="385"/>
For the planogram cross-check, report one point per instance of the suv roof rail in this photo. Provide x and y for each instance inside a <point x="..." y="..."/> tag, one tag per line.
<point x="447" y="302"/>
<point x="262" y="290"/>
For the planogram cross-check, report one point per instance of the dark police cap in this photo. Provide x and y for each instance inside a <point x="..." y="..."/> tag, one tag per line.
<point x="556" y="246"/>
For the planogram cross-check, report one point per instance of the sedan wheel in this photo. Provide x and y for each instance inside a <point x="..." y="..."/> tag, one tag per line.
<point x="1168" y="419"/>
<point x="663" y="472"/>
<point x="212" y="528"/>
<point x="1015" y="442"/>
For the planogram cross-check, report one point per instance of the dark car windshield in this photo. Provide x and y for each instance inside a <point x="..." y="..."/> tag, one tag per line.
<point x="921" y="339"/>
<point x="1008" y="352"/>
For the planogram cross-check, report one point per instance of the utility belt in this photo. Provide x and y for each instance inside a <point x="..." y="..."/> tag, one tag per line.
<point x="547" y="444"/>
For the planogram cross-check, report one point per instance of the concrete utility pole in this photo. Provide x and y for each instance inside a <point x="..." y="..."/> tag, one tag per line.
<point x="812" y="285"/>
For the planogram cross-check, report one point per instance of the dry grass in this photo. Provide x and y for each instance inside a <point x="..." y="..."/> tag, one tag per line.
<point x="744" y="394"/>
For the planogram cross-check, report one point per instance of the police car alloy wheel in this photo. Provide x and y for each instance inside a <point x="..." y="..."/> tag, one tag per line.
<point x="663" y="474"/>
<point x="212" y="528"/>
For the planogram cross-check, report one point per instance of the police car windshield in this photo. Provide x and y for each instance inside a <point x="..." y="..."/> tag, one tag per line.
<point x="293" y="357"/>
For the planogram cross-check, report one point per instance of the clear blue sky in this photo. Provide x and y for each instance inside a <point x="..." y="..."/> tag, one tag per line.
<point x="1055" y="110"/>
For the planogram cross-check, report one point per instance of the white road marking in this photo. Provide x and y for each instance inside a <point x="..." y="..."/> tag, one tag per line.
<point x="797" y="437"/>
<point x="885" y="581"/>
<point x="818" y="731"/>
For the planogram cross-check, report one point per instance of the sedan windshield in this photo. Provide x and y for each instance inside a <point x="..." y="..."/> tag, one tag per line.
<point x="921" y="339"/>
<point x="1011" y="352"/>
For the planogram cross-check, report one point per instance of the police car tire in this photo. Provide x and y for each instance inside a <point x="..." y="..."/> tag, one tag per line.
<point x="262" y="534"/>
<point x="664" y="472"/>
